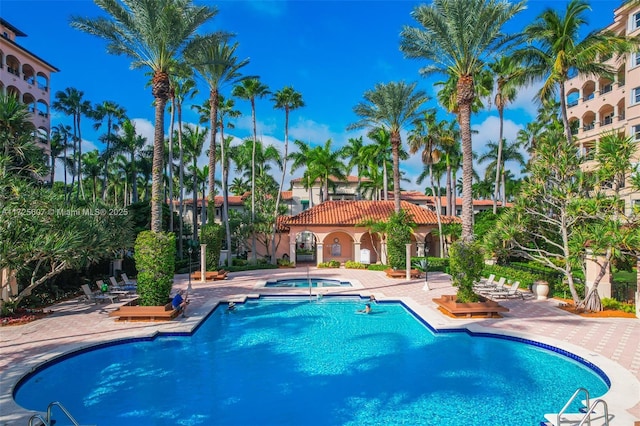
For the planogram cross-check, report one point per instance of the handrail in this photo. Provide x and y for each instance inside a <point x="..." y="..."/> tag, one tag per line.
<point x="38" y="417"/>
<point x="575" y="394"/>
<point x="63" y="409"/>
<point x="587" y="416"/>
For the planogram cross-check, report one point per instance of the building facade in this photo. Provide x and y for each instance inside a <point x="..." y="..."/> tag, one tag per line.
<point x="28" y="77"/>
<point x="600" y="105"/>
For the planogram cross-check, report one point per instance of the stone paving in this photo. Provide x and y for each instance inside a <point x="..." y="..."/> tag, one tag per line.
<point x="611" y="343"/>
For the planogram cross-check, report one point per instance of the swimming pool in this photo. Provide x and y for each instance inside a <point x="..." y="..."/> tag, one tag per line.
<point x="295" y="362"/>
<point x="304" y="282"/>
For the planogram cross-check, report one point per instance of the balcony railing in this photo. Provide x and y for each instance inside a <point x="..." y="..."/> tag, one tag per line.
<point x="43" y="87"/>
<point x="606" y="121"/>
<point x="588" y="127"/>
<point x="574" y="131"/>
<point x="43" y="114"/>
<point x="13" y="71"/>
<point x="572" y="103"/>
<point x="607" y="88"/>
<point x="588" y="97"/>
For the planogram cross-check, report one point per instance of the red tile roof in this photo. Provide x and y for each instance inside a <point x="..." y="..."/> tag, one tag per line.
<point x="349" y="179"/>
<point x="286" y="195"/>
<point x="351" y="213"/>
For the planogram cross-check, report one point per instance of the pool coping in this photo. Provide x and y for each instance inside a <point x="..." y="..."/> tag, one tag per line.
<point x="622" y="395"/>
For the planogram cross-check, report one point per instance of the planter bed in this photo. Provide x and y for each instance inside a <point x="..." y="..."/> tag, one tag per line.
<point x="402" y="273"/>
<point x="485" y="308"/>
<point x="145" y="313"/>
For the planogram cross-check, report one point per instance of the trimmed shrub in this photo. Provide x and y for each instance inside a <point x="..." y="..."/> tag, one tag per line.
<point x="398" y="235"/>
<point x="350" y="264"/>
<point x="436" y="264"/>
<point x="329" y="264"/>
<point x="466" y="262"/>
<point x="155" y="261"/>
<point x="378" y="267"/>
<point x="212" y="235"/>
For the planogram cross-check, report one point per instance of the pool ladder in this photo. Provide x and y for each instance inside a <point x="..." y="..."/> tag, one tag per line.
<point x="47" y="420"/>
<point x="584" y="417"/>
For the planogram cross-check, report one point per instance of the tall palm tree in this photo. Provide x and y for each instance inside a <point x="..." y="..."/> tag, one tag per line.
<point x="59" y="144"/>
<point x="226" y="109"/>
<point x="239" y="186"/>
<point x="509" y="75"/>
<point x="114" y="114"/>
<point x="379" y="153"/>
<point x="250" y="89"/>
<point x="498" y="155"/>
<point x="129" y="142"/>
<point x="327" y="164"/>
<point x="70" y="102"/>
<point x="392" y="106"/>
<point x="302" y="159"/>
<point x="152" y="34"/>
<point x="556" y="49"/>
<point x="287" y="99"/>
<point x="91" y="169"/>
<point x="457" y="38"/>
<point x="217" y="64"/>
<point x="193" y="142"/>
<point x="352" y="150"/>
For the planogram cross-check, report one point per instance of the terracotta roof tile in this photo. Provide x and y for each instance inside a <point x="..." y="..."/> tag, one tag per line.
<point x="354" y="212"/>
<point x="287" y="195"/>
<point x="350" y="179"/>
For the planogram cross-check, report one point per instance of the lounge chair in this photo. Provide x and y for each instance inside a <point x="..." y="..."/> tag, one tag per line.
<point x="122" y="286"/>
<point x="499" y="286"/>
<point x="508" y="293"/>
<point x="485" y="282"/>
<point x="127" y="280"/>
<point x="98" y="296"/>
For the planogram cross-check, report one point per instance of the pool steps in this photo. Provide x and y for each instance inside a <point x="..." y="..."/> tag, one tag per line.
<point x="48" y="420"/>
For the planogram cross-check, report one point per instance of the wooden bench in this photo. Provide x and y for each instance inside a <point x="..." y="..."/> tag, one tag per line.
<point x="148" y="313"/>
<point x="402" y="273"/>
<point x="487" y="308"/>
<point x="210" y="275"/>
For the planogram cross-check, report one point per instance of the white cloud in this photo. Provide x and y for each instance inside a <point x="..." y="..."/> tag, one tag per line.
<point x="144" y="128"/>
<point x="311" y="132"/>
<point x="525" y="100"/>
<point x="487" y="131"/>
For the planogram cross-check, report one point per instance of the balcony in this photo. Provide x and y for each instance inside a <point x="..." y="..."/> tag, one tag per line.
<point x="43" y="114"/>
<point x="13" y="71"/>
<point x="43" y="87"/>
<point x="588" y="127"/>
<point x="607" y="120"/>
<point x="574" y="131"/>
<point x="588" y="97"/>
<point x="572" y="103"/>
<point x="621" y="117"/>
<point x="606" y="89"/>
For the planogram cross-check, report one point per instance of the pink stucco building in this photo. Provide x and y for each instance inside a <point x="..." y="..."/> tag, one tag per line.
<point x="28" y="76"/>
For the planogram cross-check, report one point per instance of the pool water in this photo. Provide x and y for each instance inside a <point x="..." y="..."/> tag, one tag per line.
<point x="304" y="282"/>
<point x="301" y="362"/>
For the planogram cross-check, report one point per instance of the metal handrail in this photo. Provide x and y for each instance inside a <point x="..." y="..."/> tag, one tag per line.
<point x="38" y="417"/>
<point x="573" y="397"/>
<point x="587" y="416"/>
<point x="63" y="409"/>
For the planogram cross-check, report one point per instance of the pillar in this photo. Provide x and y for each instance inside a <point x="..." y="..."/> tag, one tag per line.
<point x="408" y="260"/>
<point x="383" y="252"/>
<point x="319" y="252"/>
<point x="356" y="248"/>
<point x="292" y="251"/>
<point x="203" y="262"/>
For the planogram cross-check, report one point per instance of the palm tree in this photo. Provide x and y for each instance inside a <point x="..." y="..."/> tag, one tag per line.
<point x="59" y="145"/>
<point x="239" y="186"/>
<point x="129" y="142"/>
<point x="152" y="34"/>
<point x="193" y="142"/>
<point x="114" y="114"/>
<point x="509" y="76"/>
<point x="326" y="164"/>
<point x="352" y="150"/>
<point x="91" y="169"/>
<point x="19" y="152"/>
<point x="498" y="155"/>
<point x="288" y="100"/>
<point x="217" y="64"/>
<point x="457" y="38"/>
<point x="250" y="89"/>
<point x="70" y="102"/>
<point x="556" y="50"/>
<point x="378" y="154"/>
<point x="392" y="106"/>
<point x="302" y="158"/>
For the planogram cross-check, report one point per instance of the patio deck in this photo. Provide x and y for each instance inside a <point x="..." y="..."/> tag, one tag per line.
<point x="610" y="343"/>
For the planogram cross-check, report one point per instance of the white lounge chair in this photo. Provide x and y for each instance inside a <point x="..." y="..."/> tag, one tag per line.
<point x="508" y="293"/>
<point x="98" y="296"/>
<point x="485" y="282"/>
<point x="127" y="280"/>
<point x="499" y="286"/>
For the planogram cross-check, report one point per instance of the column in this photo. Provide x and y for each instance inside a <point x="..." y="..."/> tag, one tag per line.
<point x="203" y="262"/>
<point x="319" y="253"/>
<point x="356" y="248"/>
<point x="292" y="251"/>
<point x="383" y="252"/>
<point x="408" y="260"/>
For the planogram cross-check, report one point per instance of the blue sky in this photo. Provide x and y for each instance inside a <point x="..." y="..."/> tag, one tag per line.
<point x="329" y="51"/>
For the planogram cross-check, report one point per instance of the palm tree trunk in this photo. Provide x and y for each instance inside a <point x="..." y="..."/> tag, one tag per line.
<point x="225" y="193"/>
<point x="105" y="177"/>
<point x="171" y="126"/>
<point x="563" y="111"/>
<point x="213" y="119"/>
<point x="194" y="213"/>
<point x="449" y="210"/>
<point x="134" y="177"/>
<point x="253" y="183"/>
<point x="395" y="145"/>
<point x="158" y="157"/>
<point x="80" y="186"/>
<point x="180" y="183"/>
<point x="284" y="172"/>
<point x="464" y="116"/>
<point x="385" y="189"/>
<point x="438" y="209"/>
<point x="496" y="189"/>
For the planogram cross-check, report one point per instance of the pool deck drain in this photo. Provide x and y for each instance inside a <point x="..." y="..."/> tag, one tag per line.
<point x="611" y="343"/>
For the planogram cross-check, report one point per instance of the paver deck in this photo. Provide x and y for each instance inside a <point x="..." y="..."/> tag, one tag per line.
<point x="611" y="343"/>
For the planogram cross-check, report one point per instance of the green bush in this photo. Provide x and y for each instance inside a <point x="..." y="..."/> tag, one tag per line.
<point x="329" y="264"/>
<point x="466" y="262"/>
<point x="614" y="305"/>
<point x="250" y="267"/>
<point x="436" y="264"/>
<point x="516" y="274"/>
<point x="378" y="267"/>
<point x="350" y="264"/>
<point x="239" y="262"/>
<point x="212" y="235"/>
<point x="398" y="235"/>
<point x="284" y="262"/>
<point x="155" y="261"/>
